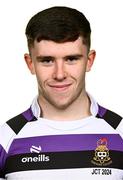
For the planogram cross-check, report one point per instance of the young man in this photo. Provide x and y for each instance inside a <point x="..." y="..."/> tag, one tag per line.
<point x="65" y="134"/>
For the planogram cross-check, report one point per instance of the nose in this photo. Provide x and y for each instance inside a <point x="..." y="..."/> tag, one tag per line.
<point x="59" y="71"/>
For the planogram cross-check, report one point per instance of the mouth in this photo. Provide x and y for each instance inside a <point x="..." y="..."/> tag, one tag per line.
<point x="60" y="87"/>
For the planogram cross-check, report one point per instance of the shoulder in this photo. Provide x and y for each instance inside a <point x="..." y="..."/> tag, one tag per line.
<point x="112" y="118"/>
<point x="19" y="121"/>
<point x="109" y="116"/>
<point x="12" y="127"/>
<point x="9" y="130"/>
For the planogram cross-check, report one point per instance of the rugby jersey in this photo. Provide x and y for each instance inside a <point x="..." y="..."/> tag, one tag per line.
<point x="32" y="147"/>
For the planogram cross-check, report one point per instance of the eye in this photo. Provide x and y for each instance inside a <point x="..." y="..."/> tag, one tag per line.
<point x="72" y="59"/>
<point x="46" y="61"/>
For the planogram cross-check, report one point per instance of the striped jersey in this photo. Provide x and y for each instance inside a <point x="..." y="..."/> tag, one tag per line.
<point x="32" y="147"/>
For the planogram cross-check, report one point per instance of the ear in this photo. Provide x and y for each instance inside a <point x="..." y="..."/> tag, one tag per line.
<point x="91" y="58"/>
<point x="29" y="63"/>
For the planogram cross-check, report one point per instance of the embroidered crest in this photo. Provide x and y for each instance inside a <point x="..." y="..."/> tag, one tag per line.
<point x="102" y="156"/>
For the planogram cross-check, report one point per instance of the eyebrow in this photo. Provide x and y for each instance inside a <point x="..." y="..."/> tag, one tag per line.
<point x="41" y="58"/>
<point x="73" y="56"/>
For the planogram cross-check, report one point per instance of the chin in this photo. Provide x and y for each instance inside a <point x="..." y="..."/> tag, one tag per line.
<point x="61" y="106"/>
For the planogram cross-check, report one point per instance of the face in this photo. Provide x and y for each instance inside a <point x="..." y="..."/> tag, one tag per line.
<point x="60" y="69"/>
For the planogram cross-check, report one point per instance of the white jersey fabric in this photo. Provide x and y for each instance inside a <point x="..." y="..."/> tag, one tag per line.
<point x="33" y="148"/>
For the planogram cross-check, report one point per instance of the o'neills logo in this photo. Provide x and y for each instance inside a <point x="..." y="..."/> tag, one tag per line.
<point x="38" y="158"/>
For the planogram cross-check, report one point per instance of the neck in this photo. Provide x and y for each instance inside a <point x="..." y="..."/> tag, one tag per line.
<point x="77" y="110"/>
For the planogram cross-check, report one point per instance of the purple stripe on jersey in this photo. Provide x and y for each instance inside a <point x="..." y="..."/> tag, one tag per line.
<point x="101" y="111"/>
<point x="3" y="156"/>
<point x="55" y="143"/>
<point x="28" y="114"/>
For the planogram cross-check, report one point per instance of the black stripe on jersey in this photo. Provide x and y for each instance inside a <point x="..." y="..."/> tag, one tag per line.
<point x="59" y="160"/>
<point x="2" y="174"/>
<point x="17" y="123"/>
<point x="111" y="118"/>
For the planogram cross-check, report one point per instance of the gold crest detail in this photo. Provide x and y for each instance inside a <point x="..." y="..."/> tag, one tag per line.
<point x="102" y="157"/>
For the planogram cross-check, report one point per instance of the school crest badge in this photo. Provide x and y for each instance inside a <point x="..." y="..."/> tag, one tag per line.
<point x="102" y="155"/>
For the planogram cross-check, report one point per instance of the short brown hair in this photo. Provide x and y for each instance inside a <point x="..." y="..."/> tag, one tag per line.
<point x="59" y="24"/>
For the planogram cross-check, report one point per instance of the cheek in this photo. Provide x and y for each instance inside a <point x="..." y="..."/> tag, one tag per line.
<point x="42" y="74"/>
<point x="79" y="73"/>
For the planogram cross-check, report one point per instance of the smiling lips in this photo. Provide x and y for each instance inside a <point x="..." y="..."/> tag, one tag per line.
<point x="60" y="87"/>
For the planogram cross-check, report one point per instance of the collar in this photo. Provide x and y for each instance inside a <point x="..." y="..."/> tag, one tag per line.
<point x="36" y="110"/>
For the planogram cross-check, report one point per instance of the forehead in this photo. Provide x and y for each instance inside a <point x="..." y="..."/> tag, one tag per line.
<point x="47" y="47"/>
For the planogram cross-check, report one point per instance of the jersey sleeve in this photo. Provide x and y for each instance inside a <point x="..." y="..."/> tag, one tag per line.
<point x="6" y="138"/>
<point x="3" y="156"/>
<point x="8" y="132"/>
<point x="120" y="128"/>
<point x="112" y="118"/>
